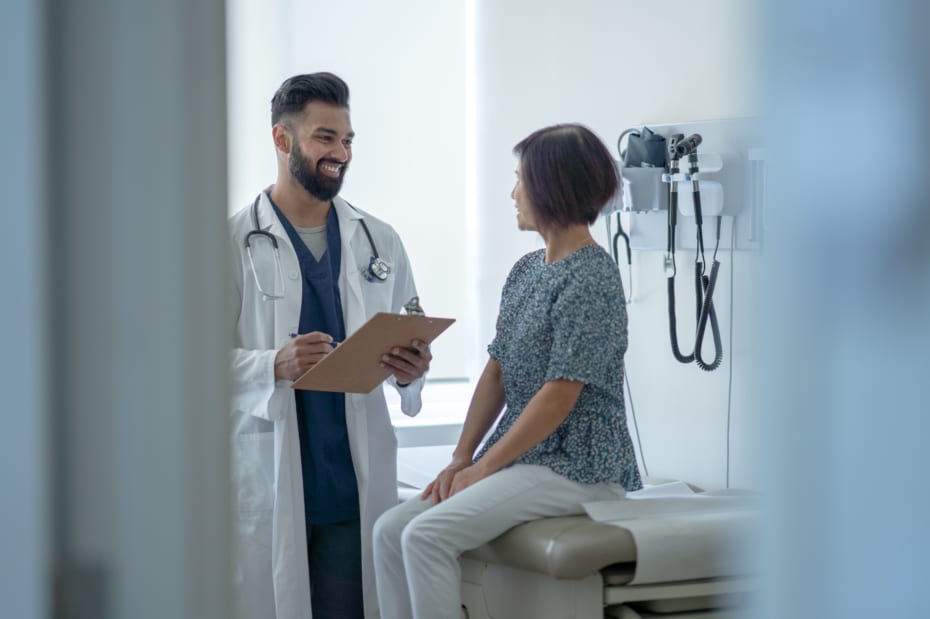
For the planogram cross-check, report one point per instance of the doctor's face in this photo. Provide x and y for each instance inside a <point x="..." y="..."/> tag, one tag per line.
<point x="526" y="219"/>
<point x="321" y="149"/>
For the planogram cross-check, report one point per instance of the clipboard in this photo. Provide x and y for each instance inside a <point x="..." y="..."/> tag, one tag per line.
<point x="353" y="366"/>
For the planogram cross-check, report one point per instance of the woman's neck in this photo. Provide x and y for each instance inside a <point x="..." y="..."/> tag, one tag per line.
<point x="562" y="242"/>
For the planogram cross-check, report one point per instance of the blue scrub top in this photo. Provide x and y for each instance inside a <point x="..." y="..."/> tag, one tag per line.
<point x="330" y="485"/>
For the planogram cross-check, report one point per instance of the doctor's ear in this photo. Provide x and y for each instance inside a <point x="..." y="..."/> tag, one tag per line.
<point x="282" y="137"/>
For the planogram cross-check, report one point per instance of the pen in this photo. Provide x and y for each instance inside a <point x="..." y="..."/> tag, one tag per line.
<point x="334" y="343"/>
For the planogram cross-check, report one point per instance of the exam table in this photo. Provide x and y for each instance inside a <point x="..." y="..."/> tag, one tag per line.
<point x="576" y="568"/>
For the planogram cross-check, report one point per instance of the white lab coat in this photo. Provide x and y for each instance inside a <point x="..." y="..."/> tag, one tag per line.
<point x="271" y="572"/>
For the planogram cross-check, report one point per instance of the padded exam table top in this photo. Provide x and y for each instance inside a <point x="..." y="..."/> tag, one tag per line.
<point x="565" y="547"/>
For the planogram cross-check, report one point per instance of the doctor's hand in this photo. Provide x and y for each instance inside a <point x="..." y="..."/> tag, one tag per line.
<point x="408" y="364"/>
<point x="439" y="489"/>
<point x="300" y="354"/>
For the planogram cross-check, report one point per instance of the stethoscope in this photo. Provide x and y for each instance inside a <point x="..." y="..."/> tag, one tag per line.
<point x="377" y="271"/>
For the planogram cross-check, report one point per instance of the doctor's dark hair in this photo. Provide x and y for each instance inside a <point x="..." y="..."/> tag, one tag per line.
<point x="296" y="92"/>
<point x="567" y="174"/>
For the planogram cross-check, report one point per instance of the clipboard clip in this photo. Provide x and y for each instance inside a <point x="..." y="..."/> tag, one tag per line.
<point x="413" y="307"/>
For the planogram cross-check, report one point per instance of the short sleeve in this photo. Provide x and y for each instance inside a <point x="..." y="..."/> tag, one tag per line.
<point x="589" y="329"/>
<point x="494" y="348"/>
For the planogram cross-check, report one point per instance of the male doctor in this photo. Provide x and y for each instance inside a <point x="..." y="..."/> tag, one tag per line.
<point x="312" y="471"/>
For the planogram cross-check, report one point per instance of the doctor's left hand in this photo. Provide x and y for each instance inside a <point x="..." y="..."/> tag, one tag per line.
<point x="408" y="364"/>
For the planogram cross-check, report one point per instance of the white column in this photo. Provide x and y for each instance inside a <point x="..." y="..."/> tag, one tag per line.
<point x="137" y="320"/>
<point x="23" y="450"/>
<point x="847" y="300"/>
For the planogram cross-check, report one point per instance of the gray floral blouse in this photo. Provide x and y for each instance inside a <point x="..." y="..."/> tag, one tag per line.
<point x="567" y="320"/>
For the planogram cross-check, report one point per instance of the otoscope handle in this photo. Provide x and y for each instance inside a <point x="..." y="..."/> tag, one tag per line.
<point x="698" y="211"/>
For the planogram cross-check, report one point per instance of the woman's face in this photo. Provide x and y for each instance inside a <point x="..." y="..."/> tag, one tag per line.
<point x="526" y="219"/>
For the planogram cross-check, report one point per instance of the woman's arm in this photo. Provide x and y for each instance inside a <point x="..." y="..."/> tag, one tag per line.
<point x="548" y="408"/>
<point x="486" y="404"/>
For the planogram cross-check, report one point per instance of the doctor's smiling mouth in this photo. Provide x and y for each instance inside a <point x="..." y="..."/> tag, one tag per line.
<point x="332" y="168"/>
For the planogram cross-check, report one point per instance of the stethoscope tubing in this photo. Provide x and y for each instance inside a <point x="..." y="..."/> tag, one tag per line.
<point x="377" y="271"/>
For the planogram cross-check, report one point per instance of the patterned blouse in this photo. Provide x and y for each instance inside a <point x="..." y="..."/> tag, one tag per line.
<point x="567" y="320"/>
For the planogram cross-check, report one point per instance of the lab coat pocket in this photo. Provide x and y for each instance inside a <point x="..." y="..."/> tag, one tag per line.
<point x="253" y="473"/>
<point x="378" y="294"/>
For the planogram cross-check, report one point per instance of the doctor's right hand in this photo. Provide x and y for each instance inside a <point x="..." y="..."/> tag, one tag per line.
<point x="300" y="354"/>
<point x="440" y="488"/>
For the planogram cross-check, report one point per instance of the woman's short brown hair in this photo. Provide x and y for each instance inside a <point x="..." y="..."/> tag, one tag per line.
<point x="567" y="173"/>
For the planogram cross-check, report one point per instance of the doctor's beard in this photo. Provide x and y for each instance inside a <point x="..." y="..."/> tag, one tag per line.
<point x="319" y="185"/>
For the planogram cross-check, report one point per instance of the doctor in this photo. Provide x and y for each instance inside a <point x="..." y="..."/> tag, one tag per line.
<point x="312" y="471"/>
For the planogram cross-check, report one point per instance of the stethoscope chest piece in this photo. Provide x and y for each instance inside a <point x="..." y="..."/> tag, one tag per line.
<point x="378" y="269"/>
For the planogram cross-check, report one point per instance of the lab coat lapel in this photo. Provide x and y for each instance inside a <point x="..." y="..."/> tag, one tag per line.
<point x="353" y="304"/>
<point x="268" y="219"/>
<point x="286" y="311"/>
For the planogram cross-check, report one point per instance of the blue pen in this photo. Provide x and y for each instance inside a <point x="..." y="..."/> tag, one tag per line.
<point x="334" y="343"/>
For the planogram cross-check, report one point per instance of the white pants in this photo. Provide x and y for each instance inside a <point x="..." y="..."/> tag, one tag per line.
<point x="417" y="545"/>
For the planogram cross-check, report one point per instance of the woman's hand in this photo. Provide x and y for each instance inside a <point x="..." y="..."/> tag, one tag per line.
<point x="439" y="489"/>
<point x="468" y="476"/>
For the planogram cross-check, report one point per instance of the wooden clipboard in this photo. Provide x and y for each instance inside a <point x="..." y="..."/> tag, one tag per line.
<point x="353" y="366"/>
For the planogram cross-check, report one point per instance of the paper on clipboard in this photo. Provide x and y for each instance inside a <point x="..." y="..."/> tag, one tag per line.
<point x="353" y="366"/>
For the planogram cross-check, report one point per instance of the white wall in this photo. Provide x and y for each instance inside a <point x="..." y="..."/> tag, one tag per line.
<point x="406" y="77"/>
<point x="609" y="65"/>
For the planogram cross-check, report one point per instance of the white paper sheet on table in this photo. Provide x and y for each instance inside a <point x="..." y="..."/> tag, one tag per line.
<point x="681" y="535"/>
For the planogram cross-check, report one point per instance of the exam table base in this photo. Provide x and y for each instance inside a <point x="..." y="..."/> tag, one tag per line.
<point x="491" y="591"/>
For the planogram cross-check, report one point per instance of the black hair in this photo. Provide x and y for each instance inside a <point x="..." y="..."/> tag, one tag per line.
<point x="568" y="174"/>
<point x="296" y="92"/>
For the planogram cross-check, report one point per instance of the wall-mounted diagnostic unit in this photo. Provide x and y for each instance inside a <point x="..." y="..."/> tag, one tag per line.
<point x="691" y="186"/>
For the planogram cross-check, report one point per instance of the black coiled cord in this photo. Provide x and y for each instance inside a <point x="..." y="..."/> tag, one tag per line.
<point x="708" y="311"/>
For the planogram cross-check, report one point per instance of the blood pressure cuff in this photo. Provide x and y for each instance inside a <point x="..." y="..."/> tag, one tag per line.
<point x="644" y="149"/>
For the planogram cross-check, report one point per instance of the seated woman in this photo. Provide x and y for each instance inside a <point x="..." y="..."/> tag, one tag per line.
<point x="556" y="362"/>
